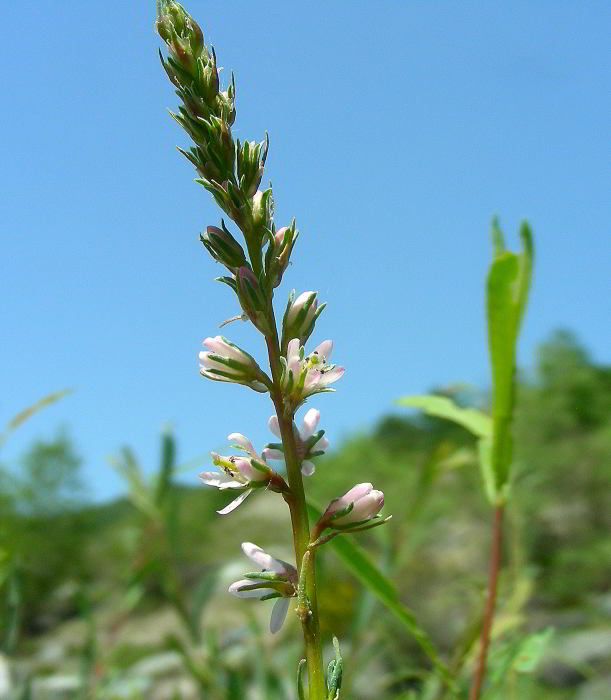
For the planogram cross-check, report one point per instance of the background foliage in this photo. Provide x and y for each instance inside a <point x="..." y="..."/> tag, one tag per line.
<point x="127" y="599"/>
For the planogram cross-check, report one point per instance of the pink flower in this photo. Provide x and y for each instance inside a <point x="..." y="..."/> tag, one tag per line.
<point x="238" y="472"/>
<point x="311" y="374"/>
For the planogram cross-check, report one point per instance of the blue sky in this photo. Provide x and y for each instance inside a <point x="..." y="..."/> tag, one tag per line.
<point x="397" y="130"/>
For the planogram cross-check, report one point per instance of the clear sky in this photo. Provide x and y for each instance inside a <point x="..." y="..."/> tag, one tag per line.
<point x="397" y="130"/>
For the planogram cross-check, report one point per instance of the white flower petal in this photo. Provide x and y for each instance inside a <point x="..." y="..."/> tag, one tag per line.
<point x="292" y="349"/>
<point x="243" y="441"/>
<point x="325" y="349"/>
<point x="279" y="611"/>
<point x="220" y="480"/>
<point x="307" y="467"/>
<point x="268" y="454"/>
<point x="311" y="381"/>
<point x="310" y="421"/>
<point x="263" y="559"/>
<point x="322" y="444"/>
<point x="274" y="425"/>
<point x="234" y="589"/>
<point x="331" y="376"/>
<point x="235" y="503"/>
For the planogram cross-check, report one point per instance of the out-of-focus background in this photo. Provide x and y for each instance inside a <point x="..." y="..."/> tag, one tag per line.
<point x="397" y="130"/>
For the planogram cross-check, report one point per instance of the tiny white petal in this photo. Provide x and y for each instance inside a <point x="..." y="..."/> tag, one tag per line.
<point x="235" y="503"/>
<point x="312" y="379"/>
<point x="310" y="421"/>
<point x="324" y="349"/>
<point x="268" y="453"/>
<point x="220" y="479"/>
<point x="243" y="441"/>
<point x="274" y="425"/>
<point x="322" y="444"/>
<point x="263" y="559"/>
<point x="307" y="467"/>
<point x="234" y="589"/>
<point x="292" y="349"/>
<point x="279" y="611"/>
<point x="331" y="376"/>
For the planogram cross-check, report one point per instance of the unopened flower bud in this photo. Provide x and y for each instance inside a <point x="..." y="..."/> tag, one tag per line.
<point x="358" y="505"/>
<point x="223" y="247"/>
<point x="284" y="240"/>
<point x="262" y="208"/>
<point x="300" y="316"/>
<point x="226" y="362"/>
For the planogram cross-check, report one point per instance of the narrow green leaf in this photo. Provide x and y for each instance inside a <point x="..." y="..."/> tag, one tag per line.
<point x="502" y="336"/>
<point x="508" y="284"/>
<point x="361" y="566"/>
<point x="442" y="407"/>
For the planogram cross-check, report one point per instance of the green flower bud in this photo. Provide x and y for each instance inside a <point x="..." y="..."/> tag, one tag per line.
<point x="223" y="247"/>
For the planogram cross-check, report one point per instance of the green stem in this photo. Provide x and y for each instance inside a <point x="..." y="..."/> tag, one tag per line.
<point x="299" y="518"/>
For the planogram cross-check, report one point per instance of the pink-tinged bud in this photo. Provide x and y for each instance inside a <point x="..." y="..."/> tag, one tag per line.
<point x="302" y="310"/>
<point x="223" y="247"/>
<point x="366" y="503"/>
<point x="284" y="240"/>
<point x="279" y="238"/>
<point x="300" y="317"/>
<point x="226" y="362"/>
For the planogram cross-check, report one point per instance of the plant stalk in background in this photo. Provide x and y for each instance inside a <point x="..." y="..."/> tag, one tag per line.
<point x="507" y="290"/>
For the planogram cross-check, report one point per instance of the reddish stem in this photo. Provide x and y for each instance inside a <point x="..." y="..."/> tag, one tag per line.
<point x="493" y="577"/>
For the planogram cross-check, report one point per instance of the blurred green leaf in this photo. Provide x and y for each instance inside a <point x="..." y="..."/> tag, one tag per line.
<point x="532" y="649"/>
<point x="166" y="471"/>
<point x="508" y="283"/>
<point x="357" y="560"/>
<point x="442" y="407"/>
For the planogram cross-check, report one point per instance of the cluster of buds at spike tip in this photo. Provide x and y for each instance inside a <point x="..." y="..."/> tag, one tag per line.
<point x="309" y="441"/>
<point x="278" y="579"/>
<point x="300" y="317"/>
<point x="357" y="510"/>
<point x="245" y="472"/>
<point x="304" y="375"/>
<point x="223" y="247"/>
<point x="226" y="362"/>
<point x="207" y="112"/>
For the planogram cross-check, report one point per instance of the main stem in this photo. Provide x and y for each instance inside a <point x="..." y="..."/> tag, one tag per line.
<point x="493" y="577"/>
<point x="299" y="519"/>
